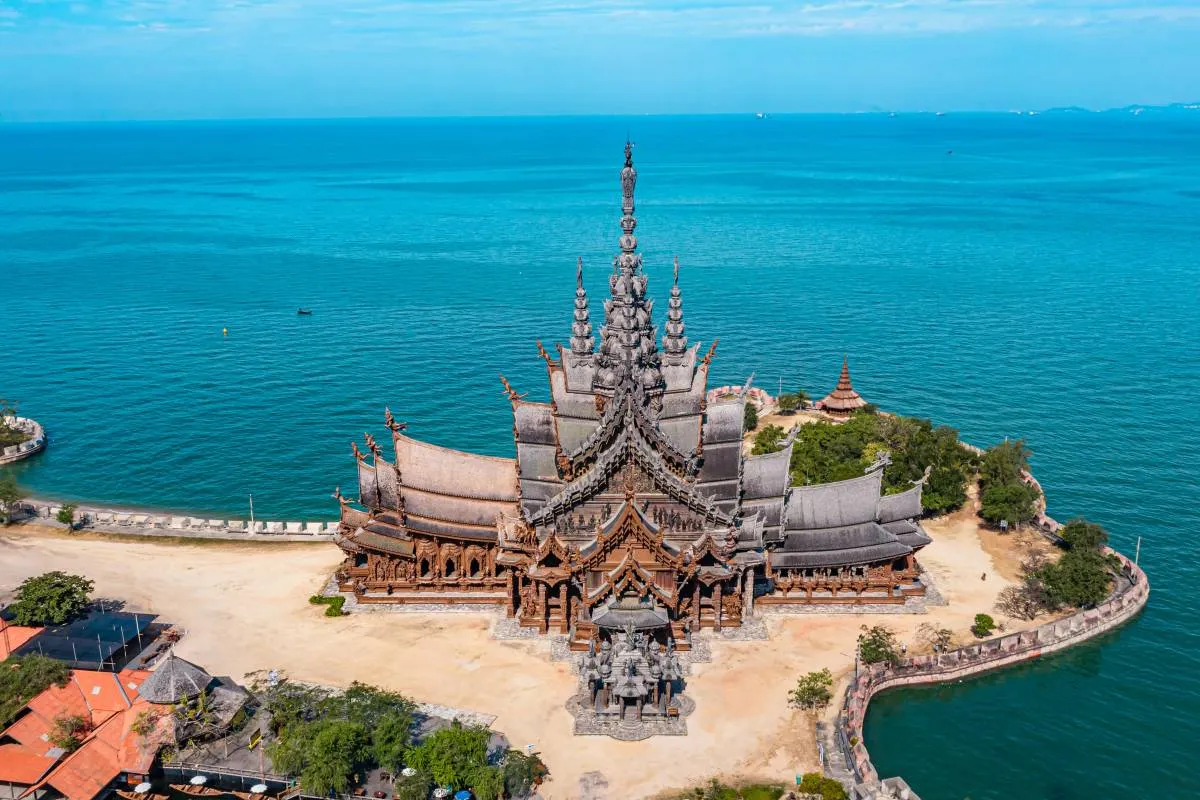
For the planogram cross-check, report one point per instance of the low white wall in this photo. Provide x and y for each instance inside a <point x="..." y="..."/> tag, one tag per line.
<point x="35" y="444"/>
<point x="154" y="524"/>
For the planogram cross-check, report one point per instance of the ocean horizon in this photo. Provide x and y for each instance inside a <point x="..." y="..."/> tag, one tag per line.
<point x="1009" y="276"/>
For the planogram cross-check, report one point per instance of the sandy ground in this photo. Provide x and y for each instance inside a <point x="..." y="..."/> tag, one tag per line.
<point x="245" y="609"/>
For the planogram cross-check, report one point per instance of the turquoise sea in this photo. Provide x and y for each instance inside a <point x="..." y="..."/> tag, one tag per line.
<point x="1033" y="277"/>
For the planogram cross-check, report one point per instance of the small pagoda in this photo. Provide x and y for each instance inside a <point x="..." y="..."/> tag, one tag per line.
<point x="843" y="400"/>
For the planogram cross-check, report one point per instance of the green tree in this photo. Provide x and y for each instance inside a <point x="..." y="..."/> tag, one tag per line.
<point x="812" y="690"/>
<point x="768" y="440"/>
<point x="68" y="732"/>
<point x="453" y="756"/>
<point x="23" y="678"/>
<point x="1080" y="578"/>
<point x="522" y="772"/>
<point x="1014" y="503"/>
<point x="984" y="625"/>
<point x="336" y="751"/>
<point x="749" y="418"/>
<point x="51" y="599"/>
<point x="413" y="787"/>
<point x="10" y="496"/>
<point x="1081" y="535"/>
<point x="390" y="739"/>
<point x="1003" y="463"/>
<point x="790" y="402"/>
<point x="66" y="515"/>
<point x="877" y="645"/>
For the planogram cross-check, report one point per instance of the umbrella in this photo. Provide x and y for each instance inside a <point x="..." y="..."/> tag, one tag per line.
<point x="198" y="780"/>
<point x="462" y="795"/>
<point x="408" y="772"/>
<point x="142" y="788"/>
<point x="258" y="788"/>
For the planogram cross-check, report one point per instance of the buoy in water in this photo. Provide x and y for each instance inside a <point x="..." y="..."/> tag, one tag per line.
<point x="224" y="331"/>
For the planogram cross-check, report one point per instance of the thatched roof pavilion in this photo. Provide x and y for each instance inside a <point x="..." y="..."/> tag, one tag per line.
<point x="175" y="680"/>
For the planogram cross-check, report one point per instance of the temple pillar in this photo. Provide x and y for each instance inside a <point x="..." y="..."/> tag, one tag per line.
<point x="544" y="607"/>
<point x="696" y="607"/>
<point x="564" y="608"/>
<point x="748" y="596"/>
<point x="717" y="606"/>
<point x="510" y="607"/>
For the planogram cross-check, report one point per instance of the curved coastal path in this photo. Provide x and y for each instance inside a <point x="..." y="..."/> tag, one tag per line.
<point x="845" y="752"/>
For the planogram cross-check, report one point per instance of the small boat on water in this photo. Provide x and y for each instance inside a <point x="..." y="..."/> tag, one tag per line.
<point x="304" y="312"/>
<point x="197" y="790"/>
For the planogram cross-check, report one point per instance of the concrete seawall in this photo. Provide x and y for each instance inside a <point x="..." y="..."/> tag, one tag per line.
<point x="847" y="758"/>
<point x="143" y="523"/>
<point x="35" y="444"/>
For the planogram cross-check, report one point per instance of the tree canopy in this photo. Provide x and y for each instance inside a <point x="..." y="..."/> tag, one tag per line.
<point x="51" y="599"/>
<point x="1004" y="493"/>
<point x="1083" y="576"/>
<point x="768" y="440"/>
<point x="826" y="451"/>
<point x="23" y="678"/>
<point x="877" y="645"/>
<point x="326" y="737"/>
<point x="750" y="417"/>
<point x="10" y="496"/>
<point x="812" y="690"/>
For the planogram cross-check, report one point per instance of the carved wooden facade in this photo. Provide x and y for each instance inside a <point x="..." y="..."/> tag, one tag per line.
<point x="630" y="501"/>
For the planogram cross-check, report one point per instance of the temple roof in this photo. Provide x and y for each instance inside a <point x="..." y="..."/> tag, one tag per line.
<point x="843" y="398"/>
<point x="174" y="680"/>
<point x="903" y="505"/>
<point x="828" y="505"/>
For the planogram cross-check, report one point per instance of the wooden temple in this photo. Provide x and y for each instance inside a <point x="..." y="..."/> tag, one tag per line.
<point x="630" y="504"/>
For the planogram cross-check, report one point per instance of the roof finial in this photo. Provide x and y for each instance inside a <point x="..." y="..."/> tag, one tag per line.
<point x="582" y="342"/>
<point x="674" y="341"/>
<point x="629" y="343"/>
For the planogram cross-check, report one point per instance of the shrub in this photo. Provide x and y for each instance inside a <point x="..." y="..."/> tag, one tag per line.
<point x="984" y="625"/>
<point x="333" y="605"/>
<point x="827" y="788"/>
<point x="68" y="732"/>
<point x="51" y="599"/>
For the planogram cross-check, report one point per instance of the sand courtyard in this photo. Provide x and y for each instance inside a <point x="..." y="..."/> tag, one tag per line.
<point x="245" y="609"/>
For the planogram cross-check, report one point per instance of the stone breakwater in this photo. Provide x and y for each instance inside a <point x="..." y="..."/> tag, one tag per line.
<point x="137" y="523"/>
<point x="36" y="442"/>
<point x="846" y="756"/>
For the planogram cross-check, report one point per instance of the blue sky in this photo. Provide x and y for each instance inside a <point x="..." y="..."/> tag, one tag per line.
<point x="171" y="59"/>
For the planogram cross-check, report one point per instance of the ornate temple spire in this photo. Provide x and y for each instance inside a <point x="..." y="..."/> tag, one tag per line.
<point x="582" y="342"/>
<point x="675" y="342"/>
<point x="629" y="343"/>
